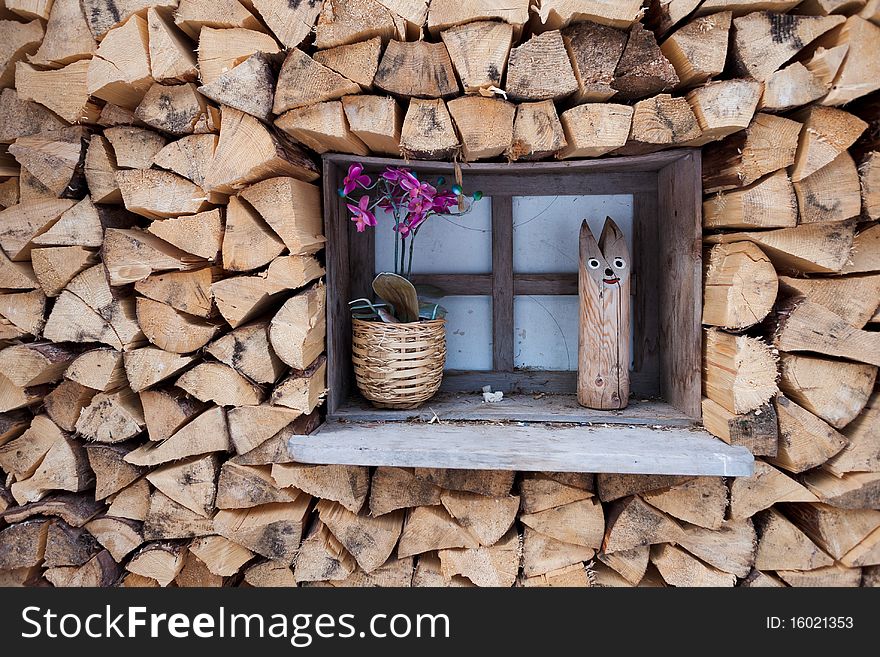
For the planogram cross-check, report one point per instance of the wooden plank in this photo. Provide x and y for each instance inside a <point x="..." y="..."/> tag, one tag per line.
<point x="456" y="406"/>
<point x="534" y="381"/>
<point x="502" y="283"/>
<point x="481" y="284"/>
<point x="645" y="283"/>
<point x="680" y="248"/>
<point x="630" y="450"/>
<point x="338" y="292"/>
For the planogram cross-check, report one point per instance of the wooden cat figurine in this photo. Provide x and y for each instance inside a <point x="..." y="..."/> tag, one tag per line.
<point x="604" y="338"/>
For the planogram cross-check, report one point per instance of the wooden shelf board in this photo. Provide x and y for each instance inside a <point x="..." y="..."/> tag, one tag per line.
<point x="520" y="446"/>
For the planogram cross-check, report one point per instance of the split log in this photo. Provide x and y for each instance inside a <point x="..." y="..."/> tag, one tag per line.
<point x="56" y="267"/>
<point x="205" y="434"/>
<point x="222" y="49"/>
<point x="723" y="107"/>
<point x="112" y="418"/>
<point x="871" y="574"/>
<point x="428" y="573"/>
<point x="67" y="36"/>
<point x="297" y="330"/>
<point x="479" y="53"/>
<point x="292" y="209"/>
<point x="64" y="467"/>
<point x="191" y="482"/>
<point x="862" y="452"/>
<point x="290" y="22"/>
<point x="157" y="194"/>
<point x="75" y="510"/>
<point x="869" y="175"/>
<point x="485" y="566"/>
<point x="269" y="573"/>
<point x="866" y="553"/>
<point x="167" y="410"/>
<point x="346" y="484"/>
<point x="859" y="72"/>
<point x="770" y="202"/>
<point x="740" y="285"/>
<point x="131" y="502"/>
<point x="275" y="449"/>
<point x="643" y="69"/>
<point x="832" y="193"/>
<point x="785" y="547"/>
<point x="168" y="520"/>
<point x="271" y="530"/>
<point x="835" y="391"/>
<point x="767" y="145"/>
<point x="594" y="129"/>
<point x="249" y="426"/>
<point x="485" y="126"/>
<point x="247" y="350"/>
<point x="222" y="557"/>
<point x="200" y="234"/>
<point x="763" y="489"/>
<point x="417" y="69"/>
<point x="764" y="41"/>
<point x="98" y="369"/>
<point x="615" y="486"/>
<point x="99" y="571"/>
<point x="66" y="401"/>
<point x="65" y="91"/>
<point x="112" y="473"/>
<point x="23" y="118"/>
<point x="827" y="132"/>
<point x="799" y="325"/>
<point x="21" y="223"/>
<point x="811" y="248"/>
<point x="837" y="531"/>
<point x="248" y="243"/>
<point x="376" y="121"/>
<point x="100" y="171"/>
<point x="20" y="40"/>
<point x="432" y="528"/>
<point x="791" y="87"/>
<point x="538" y="492"/>
<point x="825" y="63"/>
<point x="303" y="390"/>
<point x="159" y="561"/>
<point x="220" y="384"/>
<point x="248" y="87"/>
<point x="632" y="523"/>
<point x="25" y="311"/>
<point x="322" y="127"/>
<point x="68" y="546"/>
<point x="192" y="16"/>
<point x="134" y="148"/>
<point x="805" y="441"/>
<point x="13" y="424"/>
<point x="397" y="488"/>
<point x="171" y="55"/>
<point x="739" y="372"/>
<point x="542" y="554"/>
<point x="679" y="568"/>
<point x="594" y="51"/>
<point x="54" y="158"/>
<point x="697" y="51"/>
<point x="579" y="523"/>
<point x="189" y="156"/>
<point x="701" y="501"/>
<point x="267" y="156"/>
<point x="486" y="518"/>
<point x="23" y="544"/>
<point x="22" y="456"/>
<point x="630" y="564"/>
<point x="303" y="81"/>
<point x="120" y="537"/>
<point x="120" y="70"/>
<point x="395" y="573"/>
<point x="730" y="549"/>
<point x="178" y="109"/>
<point x="35" y="363"/>
<point x="186" y="291"/>
<point x="493" y="483"/>
<point x="540" y="69"/>
<point x="133" y="255"/>
<point x="427" y="132"/>
<point x="15" y="276"/>
<point x="369" y="540"/>
<point x="246" y="486"/>
<point x="342" y="23"/>
<point x="13" y="396"/>
<point x="537" y="131"/>
<point x="448" y="13"/>
<point x="554" y="14"/>
<point x="854" y="490"/>
<point x="171" y="330"/>
<point x="865" y="256"/>
<point x="660" y="122"/>
<point x="830" y="576"/>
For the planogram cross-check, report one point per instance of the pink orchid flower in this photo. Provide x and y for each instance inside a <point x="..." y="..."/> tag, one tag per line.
<point x="356" y="177"/>
<point x="361" y="215"/>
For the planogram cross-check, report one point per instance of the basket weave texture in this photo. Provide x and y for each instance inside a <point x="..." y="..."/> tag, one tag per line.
<point x="398" y="365"/>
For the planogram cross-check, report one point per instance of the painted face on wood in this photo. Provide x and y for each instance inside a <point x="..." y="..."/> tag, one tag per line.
<point x="604" y="338"/>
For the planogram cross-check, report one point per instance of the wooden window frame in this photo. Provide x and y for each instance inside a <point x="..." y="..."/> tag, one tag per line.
<point x="666" y="189"/>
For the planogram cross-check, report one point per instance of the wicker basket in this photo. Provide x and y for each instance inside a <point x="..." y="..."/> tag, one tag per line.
<point x="398" y="365"/>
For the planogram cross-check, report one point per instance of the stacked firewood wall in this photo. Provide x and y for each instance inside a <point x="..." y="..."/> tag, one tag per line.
<point x="162" y="305"/>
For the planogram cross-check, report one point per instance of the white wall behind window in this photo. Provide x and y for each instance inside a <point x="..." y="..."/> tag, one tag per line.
<point x="468" y="332"/>
<point x="545" y="332"/>
<point x="546" y="228"/>
<point x="445" y="245"/>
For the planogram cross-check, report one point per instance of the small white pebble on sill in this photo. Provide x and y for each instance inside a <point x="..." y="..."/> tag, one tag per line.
<point x="490" y="397"/>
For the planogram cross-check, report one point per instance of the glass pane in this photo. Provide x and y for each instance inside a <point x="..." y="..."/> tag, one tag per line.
<point x="545" y="228"/>
<point x="444" y="245"/>
<point x="545" y="332"/>
<point x="468" y="332"/>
